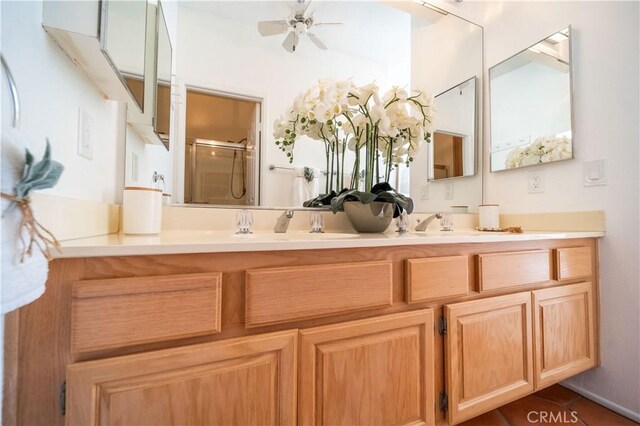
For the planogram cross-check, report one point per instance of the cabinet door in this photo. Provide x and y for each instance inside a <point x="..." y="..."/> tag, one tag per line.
<point x="488" y="354"/>
<point x="564" y="329"/>
<point x="378" y="371"/>
<point x="244" y="381"/>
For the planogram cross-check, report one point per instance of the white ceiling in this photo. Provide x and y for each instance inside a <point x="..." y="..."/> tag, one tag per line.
<point x="371" y="29"/>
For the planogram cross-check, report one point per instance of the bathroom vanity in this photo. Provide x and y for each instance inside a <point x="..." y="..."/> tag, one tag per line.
<point x="381" y="330"/>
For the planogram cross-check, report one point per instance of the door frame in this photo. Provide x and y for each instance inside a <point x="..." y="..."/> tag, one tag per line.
<point x="258" y="98"/>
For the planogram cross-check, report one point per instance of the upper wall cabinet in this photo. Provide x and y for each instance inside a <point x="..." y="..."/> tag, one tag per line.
<point x="108" y="39"/>
<point x="124" y="48"/>
<point x="152" y="124"/>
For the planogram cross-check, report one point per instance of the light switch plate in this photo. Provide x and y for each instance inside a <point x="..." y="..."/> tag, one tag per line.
<point x="424" y="192"/>
<point x="595" y="172"/>
<point x="448" y="191"/>
<point x="85" y="134"/>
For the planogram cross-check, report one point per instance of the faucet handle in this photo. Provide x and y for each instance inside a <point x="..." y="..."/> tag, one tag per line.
<point x="317" y="222"/>
<point x="244" y="220"/>
<point x="446" y="222"/>
<point x="402" y="222"/>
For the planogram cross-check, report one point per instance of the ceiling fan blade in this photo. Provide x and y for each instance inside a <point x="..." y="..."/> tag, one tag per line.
<point x="301" y="7"/>
<point x="316" y="41"/>
<point x="322" y="24"/>
<point x="269" y="28"/>
<point x="291" y="42"/>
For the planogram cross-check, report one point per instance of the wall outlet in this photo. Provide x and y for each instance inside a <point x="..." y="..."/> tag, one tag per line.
<point x="448" y="191"/>
<point x="424" y="192"/>
<point x="536" y="182"/>
<point x="595" y="172"/>
<point x="85" y="134"/>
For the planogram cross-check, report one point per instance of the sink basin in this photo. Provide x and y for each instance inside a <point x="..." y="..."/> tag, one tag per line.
<point x="296" y="236"/>
<point x="444" y="234"/>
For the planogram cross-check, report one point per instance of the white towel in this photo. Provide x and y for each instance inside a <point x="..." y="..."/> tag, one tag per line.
<point x="312" y="187"/>
<point x="299" y="187"/>
<point x="21" y="283"/>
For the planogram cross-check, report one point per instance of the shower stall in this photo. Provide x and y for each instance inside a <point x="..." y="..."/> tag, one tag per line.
<point x="222" y="149"/>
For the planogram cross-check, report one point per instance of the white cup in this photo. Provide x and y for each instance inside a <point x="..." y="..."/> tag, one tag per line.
<point x="141" y="210"/>
<point x="489" y="216"/>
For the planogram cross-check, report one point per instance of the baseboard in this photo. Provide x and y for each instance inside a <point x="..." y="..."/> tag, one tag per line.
<point x="604" y="402"/>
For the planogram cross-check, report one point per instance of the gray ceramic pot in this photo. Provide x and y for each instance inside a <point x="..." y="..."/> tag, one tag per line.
<point x="372" y="217"/>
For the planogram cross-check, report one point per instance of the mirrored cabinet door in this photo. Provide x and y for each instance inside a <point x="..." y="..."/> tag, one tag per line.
<point x="109" y="40"/>
<point x="163" y="80"/>
<point x="531" y="117"/>
<point x="123" y="42"/>
<point x="453" y="149"/>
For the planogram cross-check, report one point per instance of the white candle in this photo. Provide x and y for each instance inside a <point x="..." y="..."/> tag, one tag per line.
<point x="141" y="210"/>
<point x="489" y="216"/>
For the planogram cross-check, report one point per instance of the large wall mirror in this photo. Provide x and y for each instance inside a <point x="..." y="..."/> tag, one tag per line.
<point x="241" y="64"/>
<point x="531" y="118"/>
<point x="123" y="42"/>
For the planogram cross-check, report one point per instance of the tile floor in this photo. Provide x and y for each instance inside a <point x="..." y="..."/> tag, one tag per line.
<point x="558" y="404"/>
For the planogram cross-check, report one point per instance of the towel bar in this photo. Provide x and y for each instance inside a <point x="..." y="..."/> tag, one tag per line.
<point x="14" y="93"/>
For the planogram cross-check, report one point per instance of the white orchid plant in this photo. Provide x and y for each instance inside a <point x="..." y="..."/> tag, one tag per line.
<point x="343" y="116"/>
<point x="545" y="149"/>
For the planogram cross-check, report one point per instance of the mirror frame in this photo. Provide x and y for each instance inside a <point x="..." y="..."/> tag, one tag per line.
<point x="571" y="102"/>
<point x="104" y="24"/>
<point x="165" y="139"/>
<point x="477" y="126"/>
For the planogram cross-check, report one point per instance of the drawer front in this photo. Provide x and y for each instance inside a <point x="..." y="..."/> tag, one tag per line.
<point x="437" y="277"/>
<point x="503" y="270"/>
<point x="573" y="262"/>
<point x="127" y="311"/>
<point x="278" y="295"/>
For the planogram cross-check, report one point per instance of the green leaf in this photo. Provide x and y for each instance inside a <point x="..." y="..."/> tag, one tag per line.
<point x="41" y="175"/>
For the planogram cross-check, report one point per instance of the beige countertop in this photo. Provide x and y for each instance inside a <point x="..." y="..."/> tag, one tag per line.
<point x="179" y="242"/>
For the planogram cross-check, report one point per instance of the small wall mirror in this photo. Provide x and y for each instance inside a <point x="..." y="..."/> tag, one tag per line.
<point x="124" y="25"/>
<point x="163" y="81"/>
<point x="453" y="151"/>
<point x="531" y="118"/>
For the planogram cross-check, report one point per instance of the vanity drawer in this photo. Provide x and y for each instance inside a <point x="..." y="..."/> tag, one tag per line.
<point x="121" y="312"/>
<point x="503" y="270"/>
<point x="437" y="277"/>
<point x="278" y="295"/>
<point x="573" y="262"/>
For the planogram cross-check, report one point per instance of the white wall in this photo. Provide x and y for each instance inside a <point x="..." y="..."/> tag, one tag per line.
<point x="231" y="56"/>
<point x="606" y="110"/>
<point x="443" y="55"/>
<point x="51" y="90"/>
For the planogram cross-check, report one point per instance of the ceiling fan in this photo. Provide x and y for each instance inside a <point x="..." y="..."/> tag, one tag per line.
<point x="297" y="25"/>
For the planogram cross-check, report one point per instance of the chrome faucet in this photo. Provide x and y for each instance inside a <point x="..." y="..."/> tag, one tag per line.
<point x="422" y="226"/>
<point x="282" y="223"/>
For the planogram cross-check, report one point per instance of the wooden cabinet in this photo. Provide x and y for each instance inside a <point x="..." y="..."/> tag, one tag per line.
<point x="564" y="329"/>
<point x="244" y="381"/>
<point x="573" y="262"/>
<point x="437" y="277"/>
<point x="122" y="312"/>
<point x="378" y="371"/>
<point x="197" y="338"/>
<point x="512" y="269"/>
<point x="277" y="295"/>
<point x="488" y="354"/>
